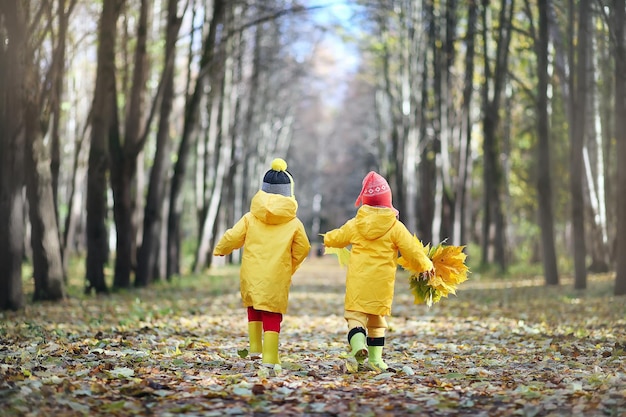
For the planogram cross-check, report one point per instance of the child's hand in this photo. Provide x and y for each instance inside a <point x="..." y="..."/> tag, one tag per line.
<point x="429" y="274"/>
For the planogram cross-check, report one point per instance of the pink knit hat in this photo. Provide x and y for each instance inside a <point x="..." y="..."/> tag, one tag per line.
<point x="375" y="192"/>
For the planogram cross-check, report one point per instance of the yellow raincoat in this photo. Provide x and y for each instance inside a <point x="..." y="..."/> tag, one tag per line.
<point x="376" y="237"/>
<point x="275" y="246"/>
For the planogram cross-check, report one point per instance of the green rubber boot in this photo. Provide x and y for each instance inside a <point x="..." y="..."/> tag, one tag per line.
<point x="375" y="360"/>
<point x="255" y="335"/>
<point x="358" y="351"/>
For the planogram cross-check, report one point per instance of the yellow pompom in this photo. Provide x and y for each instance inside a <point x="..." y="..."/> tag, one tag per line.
<point x="279" y="164"/>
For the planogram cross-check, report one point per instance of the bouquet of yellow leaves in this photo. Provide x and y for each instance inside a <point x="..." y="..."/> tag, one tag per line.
<point x="450" y="271"/>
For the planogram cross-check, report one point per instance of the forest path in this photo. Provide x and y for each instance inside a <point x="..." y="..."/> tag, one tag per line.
<point x="506" y="347"/>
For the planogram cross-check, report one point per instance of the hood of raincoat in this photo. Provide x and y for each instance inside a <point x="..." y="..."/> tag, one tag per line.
<point x="273" y="208"/>
<point x="373" y="222"/>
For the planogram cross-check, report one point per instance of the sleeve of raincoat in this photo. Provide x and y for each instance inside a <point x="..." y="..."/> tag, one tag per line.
<point x="299" y="248"/>
<point x="412" y="252"/>
<point x="234" y="238"/>
<point x="339" y="238"/>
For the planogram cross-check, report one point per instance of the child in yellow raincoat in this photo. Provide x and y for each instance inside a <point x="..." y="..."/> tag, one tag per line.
<point x="275" y="244"/>
<point x="376" y="236"/>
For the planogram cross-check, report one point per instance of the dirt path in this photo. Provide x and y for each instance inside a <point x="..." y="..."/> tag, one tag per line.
<point x="496" y="350"/>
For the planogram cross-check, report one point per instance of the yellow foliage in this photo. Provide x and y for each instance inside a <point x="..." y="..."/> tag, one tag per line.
<point x="343" y="254"/>
<point x="450" y="271"/>
<point x="450" y="268"/>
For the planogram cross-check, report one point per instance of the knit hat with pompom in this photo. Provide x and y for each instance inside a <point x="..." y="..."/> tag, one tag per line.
<point x="278" y="180"/>
<point x="375" y="192"/>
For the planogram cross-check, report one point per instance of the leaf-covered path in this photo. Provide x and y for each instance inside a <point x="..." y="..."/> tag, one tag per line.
<point x="500" y="348"/>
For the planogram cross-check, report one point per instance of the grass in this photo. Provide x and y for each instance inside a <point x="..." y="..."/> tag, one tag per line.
<point x="216" y="281"/>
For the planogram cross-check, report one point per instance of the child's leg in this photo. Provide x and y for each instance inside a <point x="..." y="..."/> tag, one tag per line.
<point x="357" y="322"/>
<point x="271" y="332"/>
<point x="255" y="330"/>
<point x="375" y="341"/>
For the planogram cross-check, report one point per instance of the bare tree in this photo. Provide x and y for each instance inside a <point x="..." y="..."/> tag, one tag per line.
<point x="465" y="166"/>
<point x="492" y="88"/>
<point x="12" y="64"/>
<point x="104" y="109"/>
<point x="221" y="150"/>
<point x="76" y="198"/>
<point x="153" y="214"/>
<point x="64" y="11"/>
<point x="40" y="105"/>
<point x="544" y="162"/>
<point x="124" y="154"/>
<point x="45" y="244"/>
<point x="577" y="144"/>
<point x="618" y="23"/>
<point x="192" y="106"/>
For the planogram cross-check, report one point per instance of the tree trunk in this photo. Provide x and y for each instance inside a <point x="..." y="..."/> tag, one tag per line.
<point x="124" y="156"/>
<point x="448" y="122"/>
<point x="492" y="172"/>
<point x="55" y="101"/>
<point x="190" y="124"/>
<point x="102" y="117"/>
<point x="12" y="65"/>
<point x="223" y="151"/>
<point x="593" y="174"/>
<point x="544" y="170"/>
<point x="437" y="120"/>
<point x="123" y="169"/>
<point x="618" y="22"/>
<point x="465" y="166"/>
<point x="427" y="168"/>
<point x="42" y="100"/>
<point x="148" y="254"/>
<point x="76" y="196"/>
<point x="47" y="264"/>
<point x="576" y="150"/>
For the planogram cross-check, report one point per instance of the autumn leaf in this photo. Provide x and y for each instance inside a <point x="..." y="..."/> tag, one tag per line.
<point x="507" y="347"/>
<point x="343" y="254"/>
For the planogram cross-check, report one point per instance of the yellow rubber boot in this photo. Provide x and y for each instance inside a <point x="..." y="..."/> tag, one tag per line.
<point x="255" y="335"/>
<point x="270" y="347"/>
